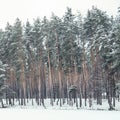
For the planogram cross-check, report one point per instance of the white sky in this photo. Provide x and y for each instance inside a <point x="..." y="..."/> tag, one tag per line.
<point x="23" y="9"/>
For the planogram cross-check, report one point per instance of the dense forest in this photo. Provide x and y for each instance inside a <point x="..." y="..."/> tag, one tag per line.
<point x="72" y="58"/>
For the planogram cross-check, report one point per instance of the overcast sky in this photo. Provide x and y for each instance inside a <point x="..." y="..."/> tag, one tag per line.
<point x="29" y="9"/>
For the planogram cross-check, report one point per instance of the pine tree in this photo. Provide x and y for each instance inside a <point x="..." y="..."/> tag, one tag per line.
<point x="38" y="37"/>
<point x="96" y="34"/>
<point x="18" y="59"/>
<point x="2" y="82"/>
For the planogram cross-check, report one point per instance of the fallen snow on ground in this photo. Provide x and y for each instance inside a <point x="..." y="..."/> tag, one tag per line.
<point x="65" y="106"/>
<point x="37" y="114"/>
<point x="66" y="112"/>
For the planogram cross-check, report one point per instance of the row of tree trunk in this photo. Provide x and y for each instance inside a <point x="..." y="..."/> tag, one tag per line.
<point x="42" y="81"/>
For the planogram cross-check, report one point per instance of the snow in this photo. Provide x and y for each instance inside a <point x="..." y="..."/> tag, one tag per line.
<point x="1" y="69"/>
<point x="2" y="75"/>
<point x="65" y="106"/>
<point x="37" y="114"/>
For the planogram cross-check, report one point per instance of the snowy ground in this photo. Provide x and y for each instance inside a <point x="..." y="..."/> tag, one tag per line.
<point x="56" y="112"/>
<point x="65" y="106"/>
<point x="37" y="114"/>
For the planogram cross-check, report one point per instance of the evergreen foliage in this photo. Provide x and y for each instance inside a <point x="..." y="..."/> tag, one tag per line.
<point x="61" y="58"/>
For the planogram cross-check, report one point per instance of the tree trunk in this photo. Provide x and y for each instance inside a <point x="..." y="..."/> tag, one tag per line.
<point x="2" y="103"/>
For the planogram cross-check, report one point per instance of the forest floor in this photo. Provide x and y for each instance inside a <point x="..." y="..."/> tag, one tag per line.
<point x="35" y="112"/>
<point x="65" y="106"/>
